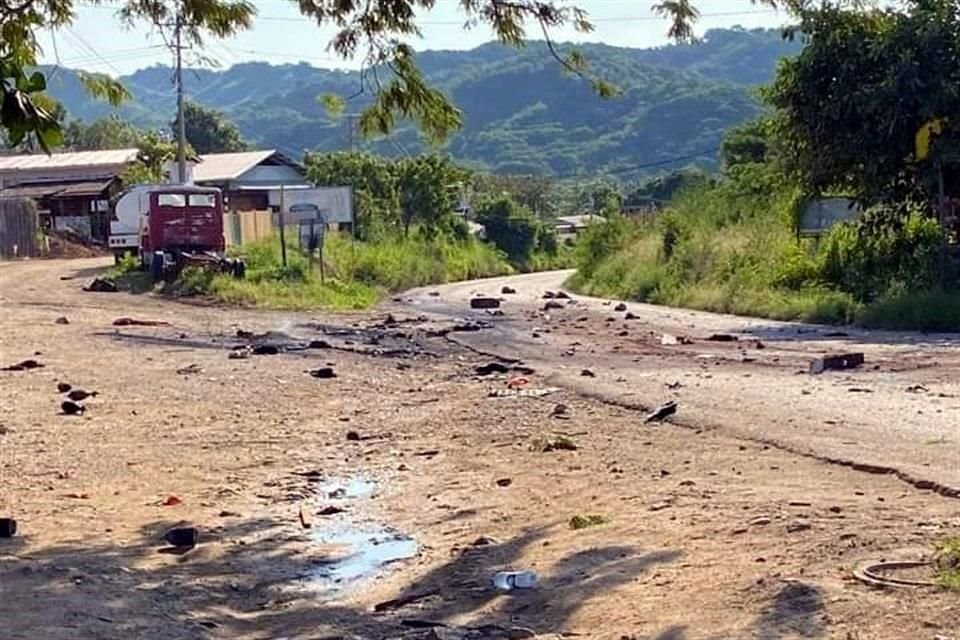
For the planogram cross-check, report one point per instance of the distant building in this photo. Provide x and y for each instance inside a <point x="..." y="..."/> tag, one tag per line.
<point x="246" y="178"/>
<point x="72" y="190"/>
<point x="571" y="226"/>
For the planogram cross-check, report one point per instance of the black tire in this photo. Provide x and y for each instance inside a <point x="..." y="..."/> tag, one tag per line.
<point x="156" y="267"/>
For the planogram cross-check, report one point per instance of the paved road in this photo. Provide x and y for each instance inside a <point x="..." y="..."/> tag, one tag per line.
<point x="900" y="412"/>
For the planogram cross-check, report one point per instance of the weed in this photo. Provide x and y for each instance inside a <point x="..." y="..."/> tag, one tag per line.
<point x="947" y="560"/>
<point x="578" y="521"/>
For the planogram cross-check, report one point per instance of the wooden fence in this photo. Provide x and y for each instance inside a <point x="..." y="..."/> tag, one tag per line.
<point x="18" y="228"/>
<point x="242" y="227"/>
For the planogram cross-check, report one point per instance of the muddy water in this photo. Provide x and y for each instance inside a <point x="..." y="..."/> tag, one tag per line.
<point x="360" y="550"/>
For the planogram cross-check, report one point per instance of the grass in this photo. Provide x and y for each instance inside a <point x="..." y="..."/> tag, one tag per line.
<point x="578" y="522"/>
<point x="948" y="563"/>
<point x="730" y="249"/>
<point x="357" y="274"/>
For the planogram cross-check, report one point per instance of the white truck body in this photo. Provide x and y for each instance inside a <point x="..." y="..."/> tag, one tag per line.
<point x="130" y="214"/>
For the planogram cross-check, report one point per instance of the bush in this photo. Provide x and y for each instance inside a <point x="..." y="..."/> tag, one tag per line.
<point x="511" y="227"/>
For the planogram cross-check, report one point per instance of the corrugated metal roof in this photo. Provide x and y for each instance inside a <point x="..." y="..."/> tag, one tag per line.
<point x="77" y="159"/>
<point x="217" y="167"/>
<point x="580" y="221"/>
<point x="57" y="189"/>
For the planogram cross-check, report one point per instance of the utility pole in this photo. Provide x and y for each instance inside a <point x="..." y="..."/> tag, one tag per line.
<point x="181" y="125"/>
<point x="351" y="120"/>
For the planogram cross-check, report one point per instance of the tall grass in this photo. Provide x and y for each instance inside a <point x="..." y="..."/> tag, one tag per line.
<point x="357" y="274"/>
<point x="730" y="248"/>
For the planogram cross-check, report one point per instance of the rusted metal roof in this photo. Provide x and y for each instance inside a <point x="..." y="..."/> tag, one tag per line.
<point x="72" y="160"/>
<point x="56" y="189"/>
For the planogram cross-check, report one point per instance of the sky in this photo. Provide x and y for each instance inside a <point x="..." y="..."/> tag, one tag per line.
<point x="97" y="41"/>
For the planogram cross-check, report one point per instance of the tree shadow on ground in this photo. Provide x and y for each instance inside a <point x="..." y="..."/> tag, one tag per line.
<point x="257" y="578"/>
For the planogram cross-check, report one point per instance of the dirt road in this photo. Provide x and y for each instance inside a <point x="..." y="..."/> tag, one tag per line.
<point x="900" y="412"/>
<point x="409" y="479"/>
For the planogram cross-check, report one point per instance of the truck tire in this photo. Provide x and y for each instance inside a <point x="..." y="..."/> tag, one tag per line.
<point x="156" y="266"/>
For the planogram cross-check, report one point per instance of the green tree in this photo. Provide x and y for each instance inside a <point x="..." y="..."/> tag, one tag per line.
<point x="104" y="133"/>
<point x="209" y="130"/>
<point x="511" y="227"/>
<point x="374" y="186"/>
<point x="849" y="106"/>
<point x="154" y="152"/>
<point x="373" y="32"/>
<point x="744" y="144"/>
<point x="426" y="186"/>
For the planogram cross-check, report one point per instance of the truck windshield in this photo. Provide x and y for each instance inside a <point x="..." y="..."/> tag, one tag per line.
<point x="203" y="200"/>
<point x="172" y="200"/>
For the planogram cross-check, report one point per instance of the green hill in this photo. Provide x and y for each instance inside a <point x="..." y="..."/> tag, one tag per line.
<point x="522" y="113"/>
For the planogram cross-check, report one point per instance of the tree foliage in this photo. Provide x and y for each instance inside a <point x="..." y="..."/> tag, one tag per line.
<point x="511" y="227"/>
<point x="376" y="32"/>
<point x="426" y="186"/>
<point x="209" y="131"/>
<point x="849" y="106"/>
<point x="374" y="185"/>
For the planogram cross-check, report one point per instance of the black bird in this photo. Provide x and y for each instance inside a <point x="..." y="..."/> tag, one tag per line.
<point x="80" y="394"/>
<point x="63" y="387"/>
<point x="72" y="408"/>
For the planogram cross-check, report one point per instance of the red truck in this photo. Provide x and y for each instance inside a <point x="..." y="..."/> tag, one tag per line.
<point x="182" y="225"/>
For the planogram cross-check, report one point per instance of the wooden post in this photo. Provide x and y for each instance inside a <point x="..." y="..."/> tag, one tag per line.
<point x="283" y="238"/>
<point x="942" y="218"/>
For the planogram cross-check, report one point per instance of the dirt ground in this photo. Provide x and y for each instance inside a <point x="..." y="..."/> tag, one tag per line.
<point x="707" y="532"/>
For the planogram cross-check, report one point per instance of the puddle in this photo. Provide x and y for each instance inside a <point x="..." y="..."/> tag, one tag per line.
<point x="366" y="552"/>
<point x="345" y="488"/>
<point x="358" y="550"/>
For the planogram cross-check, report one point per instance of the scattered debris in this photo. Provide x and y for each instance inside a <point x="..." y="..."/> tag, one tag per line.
<point x="517" y="382"/>
<point x="836" y="334"/>
<point x="353" y="436"/>
<point x="77" y="496"/>
<point x="239" y="354"/>
<point x="228" y="514"/>
<point x="491" y="368"/>
<point x="63" y="387"/>
<point x="78" y="395"/>
<point x="507" y="290"/>
<point x="484" y="541"/>
<point x="836" y="362"/>
<point x="323" y="373"/>
<point x="662" y="412"/>
<point x="859" y="390"/>
<point x="549" y="295"/>
<point x="484" y="302"/>
<point x="509" y="580"/>
<point x="760" y="521"/>
<point x="562" y="295"/>
<point x="396" y="603"/>
<point x="553" y="443"/>
<point x="305" y="520"/>
<point x="8" y="527"/>
<point x="62" y="320"/>
<point x="134" y="322"/>
<point x="722" y="337"/>
<point x="429" y="453"/>
<point x="660" y="506"/>
<point x="523" y="393"/>
<point x="182" y="537"/>
<point x="552" y="304"/>
<point x="631" y="316"/>
<point x="797" y="526"/>
<point x="504" y="482"/>
<point x="102" y="285"/>
<point x="670" y="339"/>
<point x="587" y="373"/>
<point x="433" y="294"/>
<point x="561" y="411"/>
<point x="171" y="501"/>
<point x="265" y="350"/>
<point x="330" y="510"/>
<point x="621" y="307"/>
<point x="674" y="385"/>
<point x="319" y="344"/>
<point x="917" y="388"/>
<point x="578" y="522"/>
<point x="24" y="365"/>
<point x="71" y="408"/>
<point x="189" y="369"/>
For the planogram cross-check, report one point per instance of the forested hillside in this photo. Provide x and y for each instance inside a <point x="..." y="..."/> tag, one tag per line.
<point x="522" y="113"/>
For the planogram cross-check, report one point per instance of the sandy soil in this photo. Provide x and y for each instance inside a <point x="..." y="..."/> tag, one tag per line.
<point x="708" y="533"/>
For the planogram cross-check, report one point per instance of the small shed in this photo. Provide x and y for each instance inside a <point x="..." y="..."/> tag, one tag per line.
<point x="572" y="226"/>
<point x="246" y="178"/>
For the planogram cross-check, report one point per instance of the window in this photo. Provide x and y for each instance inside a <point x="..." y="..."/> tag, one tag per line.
<point x="203" y="200"/>
<point x="171" y="200"/>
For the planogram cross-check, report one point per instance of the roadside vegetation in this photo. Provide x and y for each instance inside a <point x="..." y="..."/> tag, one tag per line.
<point x="731" y="244"/>
<point x="948" y="563"/>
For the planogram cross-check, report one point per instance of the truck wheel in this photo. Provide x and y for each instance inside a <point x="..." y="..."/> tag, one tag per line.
<point x="156" y="266"/>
